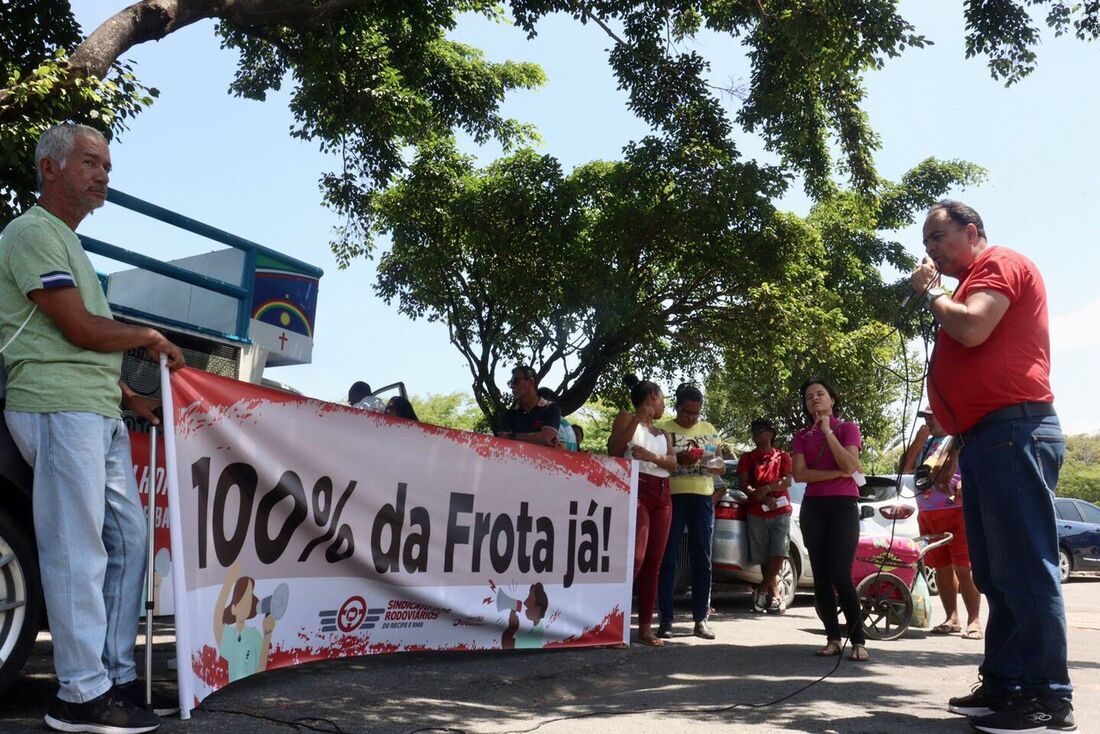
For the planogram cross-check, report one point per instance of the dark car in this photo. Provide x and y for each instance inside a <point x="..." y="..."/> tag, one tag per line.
<point x="1078" y="536"/>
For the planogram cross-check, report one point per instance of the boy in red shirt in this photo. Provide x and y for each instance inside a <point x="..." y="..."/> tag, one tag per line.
<point x="765" y="474"/>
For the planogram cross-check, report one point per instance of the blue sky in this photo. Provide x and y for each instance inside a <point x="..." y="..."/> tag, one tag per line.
<point x="231" y="163"/>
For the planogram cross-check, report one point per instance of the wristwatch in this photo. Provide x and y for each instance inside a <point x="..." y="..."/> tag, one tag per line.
<point x="932" y="294"/>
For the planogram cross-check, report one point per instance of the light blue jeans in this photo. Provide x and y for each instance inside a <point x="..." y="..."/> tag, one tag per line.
<point x="91" y="533"/>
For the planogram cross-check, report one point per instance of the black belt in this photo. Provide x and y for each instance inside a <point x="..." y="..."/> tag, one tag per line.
<point x="1011" y="413"/>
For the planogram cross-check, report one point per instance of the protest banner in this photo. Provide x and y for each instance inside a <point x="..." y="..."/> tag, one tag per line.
<point x="310" y="530"/>
<point x="155" y="481"/>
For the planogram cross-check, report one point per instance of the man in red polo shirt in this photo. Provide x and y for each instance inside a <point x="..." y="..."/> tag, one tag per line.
<point x="989" y="385"/>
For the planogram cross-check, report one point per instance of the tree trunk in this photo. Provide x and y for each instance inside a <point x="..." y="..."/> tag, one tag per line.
<point x="152" y="20"/>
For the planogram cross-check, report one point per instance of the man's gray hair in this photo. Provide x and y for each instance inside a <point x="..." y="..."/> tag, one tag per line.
<point x="57" y="142"/>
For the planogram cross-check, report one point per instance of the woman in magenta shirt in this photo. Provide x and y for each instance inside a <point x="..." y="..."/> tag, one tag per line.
<point x="825" y="455"/>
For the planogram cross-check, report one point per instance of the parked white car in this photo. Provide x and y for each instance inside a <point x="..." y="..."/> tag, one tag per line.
<point x="882" y="511"/>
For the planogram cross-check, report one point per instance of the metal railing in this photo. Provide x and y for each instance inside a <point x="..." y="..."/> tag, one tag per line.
<point x="242" y="292"/>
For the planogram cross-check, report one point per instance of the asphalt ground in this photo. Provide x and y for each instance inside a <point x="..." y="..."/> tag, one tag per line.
<point x="732" y="683"/>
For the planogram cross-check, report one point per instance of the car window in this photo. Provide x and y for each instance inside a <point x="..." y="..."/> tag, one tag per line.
<point x="1091" y="513"/>
<point x="1067" y="511"/>
<point x="730" y="475"/>
<point x="870" y="493"/>
<point x="389" y="391"/>
<point x="879" y="489"/>
<point x="888" y="492"/>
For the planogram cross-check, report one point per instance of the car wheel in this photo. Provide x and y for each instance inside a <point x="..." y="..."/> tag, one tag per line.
<point x="20" y="598"/>
<point x="788" y="578"/>
<point x="1065" y="565"/>
<point x="930" y="579"/>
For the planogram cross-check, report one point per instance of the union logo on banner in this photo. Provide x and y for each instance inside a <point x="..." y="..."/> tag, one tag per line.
<point x="352" y="615"/>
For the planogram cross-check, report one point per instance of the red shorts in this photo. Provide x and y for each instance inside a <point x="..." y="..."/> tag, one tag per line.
<point x="955" y="553"/>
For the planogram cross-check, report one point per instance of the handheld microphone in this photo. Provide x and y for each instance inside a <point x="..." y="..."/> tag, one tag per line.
<point x="931" y="284"/>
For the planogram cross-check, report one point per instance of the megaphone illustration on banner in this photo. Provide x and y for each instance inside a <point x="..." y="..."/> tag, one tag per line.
<point x="275" y="605"/>
<point x="506" y="602"/>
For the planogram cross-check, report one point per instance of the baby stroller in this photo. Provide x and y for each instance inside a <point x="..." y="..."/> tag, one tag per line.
<point x="884" y="571"/>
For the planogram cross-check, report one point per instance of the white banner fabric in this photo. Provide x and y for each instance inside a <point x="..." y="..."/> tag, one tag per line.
<point x="311" y="531"/>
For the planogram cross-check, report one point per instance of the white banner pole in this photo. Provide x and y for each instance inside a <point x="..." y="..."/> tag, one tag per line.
<point x="184" y="675"/>
<point x="150" y="556"/>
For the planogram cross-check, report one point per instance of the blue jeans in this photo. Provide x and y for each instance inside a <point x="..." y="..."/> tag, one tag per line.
<point x="1010" y="470"/>
<point x="696" y="512"/>
<point x="91" y="532"/>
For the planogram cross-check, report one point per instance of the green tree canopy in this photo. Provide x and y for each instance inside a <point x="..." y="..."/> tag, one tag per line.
<point x="654" y="262"/>
<point x="1080" y="476"/>
<point x="595" y="418"/>
<point x="615" y="266"/>
<point x="453" y="410"/>
<point x="657" y="262"/>
<point x="371" y="78"/>
<point x="830" y="314"/>
<point x="36" y="91"/>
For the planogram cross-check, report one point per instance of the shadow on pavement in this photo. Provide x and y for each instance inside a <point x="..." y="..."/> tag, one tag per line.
<point x="687" y="682"/>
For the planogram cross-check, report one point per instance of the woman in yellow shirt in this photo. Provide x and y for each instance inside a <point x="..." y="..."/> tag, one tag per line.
<point x="698" y="459"/>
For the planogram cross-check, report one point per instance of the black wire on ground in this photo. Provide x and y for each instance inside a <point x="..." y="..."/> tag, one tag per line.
<point x="299" y="723"/>
<point x="692" y="709"/>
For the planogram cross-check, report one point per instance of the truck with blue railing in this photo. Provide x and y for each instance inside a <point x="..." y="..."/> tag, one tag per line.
<point x="233" y="311"/>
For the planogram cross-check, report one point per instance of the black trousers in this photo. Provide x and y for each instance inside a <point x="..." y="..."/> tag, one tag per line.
<point x="830" y="528"/>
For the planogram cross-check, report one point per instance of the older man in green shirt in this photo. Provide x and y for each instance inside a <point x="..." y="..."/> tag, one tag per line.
<point x="63" y="359"/>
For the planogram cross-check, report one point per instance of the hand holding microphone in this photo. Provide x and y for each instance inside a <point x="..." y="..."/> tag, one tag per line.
<point x="923" y="279"/>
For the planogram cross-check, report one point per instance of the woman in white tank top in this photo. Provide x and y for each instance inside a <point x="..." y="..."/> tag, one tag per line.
<point x="634" y="436"/>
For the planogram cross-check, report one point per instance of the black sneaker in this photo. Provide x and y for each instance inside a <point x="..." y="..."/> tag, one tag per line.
<point x="703" y="630"/>
<point x="981" y="702"/>
<point x="664" y="630"/>
<point x="1027" y="715"/>
<point x="106" y="714"/>
<point x="134" y="692"/>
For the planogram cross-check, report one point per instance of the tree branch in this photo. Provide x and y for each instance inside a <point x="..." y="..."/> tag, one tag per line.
<point x="152" y="20"/>
<point x="262" y="34"/>
<point x="591" y="16"/>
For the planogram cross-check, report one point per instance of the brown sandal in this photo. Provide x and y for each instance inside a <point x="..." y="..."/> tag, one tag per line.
<point x="650" y="639"/>
<point x="859" y="654"/>
<point x="831" y="649"/>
